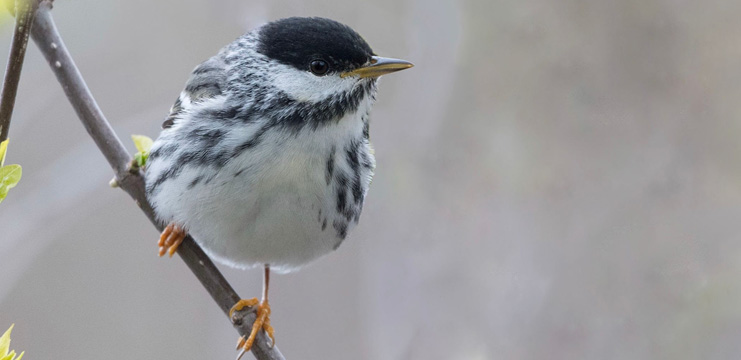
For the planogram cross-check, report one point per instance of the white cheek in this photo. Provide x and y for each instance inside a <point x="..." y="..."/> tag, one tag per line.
<point x="305" y="86"/>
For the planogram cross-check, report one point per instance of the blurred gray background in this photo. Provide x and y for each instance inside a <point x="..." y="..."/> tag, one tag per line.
<point x="556" y="180"/>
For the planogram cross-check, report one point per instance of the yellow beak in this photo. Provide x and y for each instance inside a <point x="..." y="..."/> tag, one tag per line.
<point x="378" y="66"/>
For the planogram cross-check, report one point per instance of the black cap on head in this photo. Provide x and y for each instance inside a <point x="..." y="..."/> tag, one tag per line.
<point x="298" y="41"/>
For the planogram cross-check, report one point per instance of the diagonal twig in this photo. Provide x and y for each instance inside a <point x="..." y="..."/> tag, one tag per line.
<point x="50" y="43"/>
<point x="25" y="11"/>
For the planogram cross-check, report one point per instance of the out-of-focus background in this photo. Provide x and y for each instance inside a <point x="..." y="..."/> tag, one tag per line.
<point x="556" y="180"/>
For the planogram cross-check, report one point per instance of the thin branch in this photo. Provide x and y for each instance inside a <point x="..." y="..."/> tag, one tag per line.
<point x="25" y="11"/>
<point x="50" y="43"/>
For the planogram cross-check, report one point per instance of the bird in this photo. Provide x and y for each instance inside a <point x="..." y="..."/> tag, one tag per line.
<point x="265" y="158"/>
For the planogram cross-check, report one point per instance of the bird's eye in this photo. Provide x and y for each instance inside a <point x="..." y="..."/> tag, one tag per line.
<point x="319" y="67"/>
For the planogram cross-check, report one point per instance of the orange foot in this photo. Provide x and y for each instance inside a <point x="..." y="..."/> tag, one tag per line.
<point x="170" y="239"/>
<point x="261" y="322"/>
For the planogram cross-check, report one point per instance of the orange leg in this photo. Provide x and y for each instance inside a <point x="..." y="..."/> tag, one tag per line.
<point x="170" y="239"/>
<point x="261" y="322"/>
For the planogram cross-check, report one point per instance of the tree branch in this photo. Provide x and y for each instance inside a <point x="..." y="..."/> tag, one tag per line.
<point x="50" y="43"/>
<point x="25" y="11"/>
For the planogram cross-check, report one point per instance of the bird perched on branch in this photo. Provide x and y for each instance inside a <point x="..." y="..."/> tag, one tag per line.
<point x="264" y="158"/>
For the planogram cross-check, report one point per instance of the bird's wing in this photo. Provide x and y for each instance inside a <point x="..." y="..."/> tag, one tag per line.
<point x="206" y="81"/>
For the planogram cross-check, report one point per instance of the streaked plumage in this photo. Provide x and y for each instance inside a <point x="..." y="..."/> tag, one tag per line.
<point x="264" y="157"/>
<point x="261" y="160"/>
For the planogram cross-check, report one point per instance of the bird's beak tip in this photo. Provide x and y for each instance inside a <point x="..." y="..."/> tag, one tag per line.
<point x="379" y="66"/>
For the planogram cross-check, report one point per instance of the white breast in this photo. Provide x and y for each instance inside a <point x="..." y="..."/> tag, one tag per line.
<point x="270" y="205"/>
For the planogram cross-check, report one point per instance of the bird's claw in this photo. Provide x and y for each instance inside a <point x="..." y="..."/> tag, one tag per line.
<point x="241" y="304"/>
<point x="262" y="321"/>
<point x="170" y="239"/>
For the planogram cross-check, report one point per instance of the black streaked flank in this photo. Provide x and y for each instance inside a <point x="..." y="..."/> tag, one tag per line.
<point x="341" y="199"/>
<point x="341" y="228"/>
<point x="352" y="154"/>
<point x="366" y="162"/>
<point x="164" y="176"/>
<point x="164" y="150"/>
<point x="366" y="127"/>
<point x="330" y="165"/>
<point x="195" y="182"/>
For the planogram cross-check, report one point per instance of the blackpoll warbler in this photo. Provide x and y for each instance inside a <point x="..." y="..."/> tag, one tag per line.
<point x="264" y="158"/>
